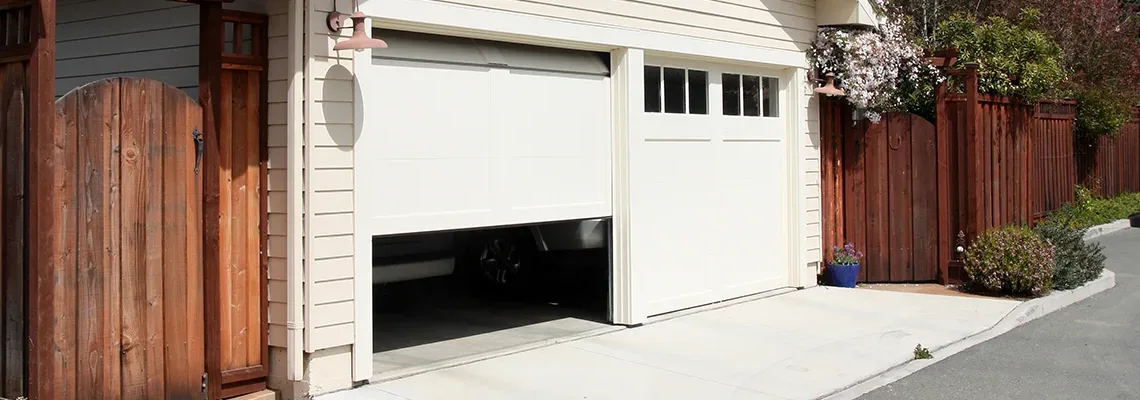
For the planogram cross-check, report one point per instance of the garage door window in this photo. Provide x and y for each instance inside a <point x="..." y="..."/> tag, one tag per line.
<point x="750" y="95"/>
<point x="676" y="90"/>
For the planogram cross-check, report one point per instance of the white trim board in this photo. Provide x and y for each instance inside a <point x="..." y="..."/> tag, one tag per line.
<point x="446" y="18"/>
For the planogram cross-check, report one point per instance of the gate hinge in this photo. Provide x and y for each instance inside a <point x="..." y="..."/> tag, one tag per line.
<point x="206" y="386"/>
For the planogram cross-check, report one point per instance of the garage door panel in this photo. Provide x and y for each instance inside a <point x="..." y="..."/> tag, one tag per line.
<point x="554" y="115"/>
<point x="678" y="127"/>
<point x="708" y="204"/>
<point x="560" y="182"/>
<point x="432" y="123"/>
<point x="448" y="144"/>
<point x="753" y="128"/>
<point x="416" y="187"/>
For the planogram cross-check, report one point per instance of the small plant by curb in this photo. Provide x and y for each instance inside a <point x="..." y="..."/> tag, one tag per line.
<point x="922" y="353"/>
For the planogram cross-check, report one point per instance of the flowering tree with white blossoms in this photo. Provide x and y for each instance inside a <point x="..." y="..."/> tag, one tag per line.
<point x="880" y="70"/>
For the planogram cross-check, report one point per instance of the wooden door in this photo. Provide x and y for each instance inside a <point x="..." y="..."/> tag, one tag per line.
<point x="890" y="190"/>
<point x="236" y="157"/>
<point x="131" y="324"/>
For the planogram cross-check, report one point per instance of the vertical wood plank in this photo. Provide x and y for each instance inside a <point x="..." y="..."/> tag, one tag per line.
<point x="112" y="234"/>
<point x="13" y="254"/>
<point x="209" y="91"/>
<point x="153" y="112"/>
<point x="253" y="216"/>
<point x="827" y="176"/>
<point x="899" y="199"/>
<point x="63" y="291"/>
<point x="225" y="222"/>
<point x="47" y="194"/>
<point x="974" y="157"/>
<point x="878" y="242"/>
<point x="195" y="273"/>
<point x="854" y="178"/>
<point x="6" y="313"/>
<point x="263" y="200"/>
<point x="944" y="207"/>
<point x="926" y="216"/>
<point x="234" y="87"/>
<point x="92" y="110"/>
<point x="176" y="151"/>
<point x="133" y="169"/>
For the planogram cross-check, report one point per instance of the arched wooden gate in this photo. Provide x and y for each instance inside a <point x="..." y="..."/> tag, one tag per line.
<point x="136" y="312"/>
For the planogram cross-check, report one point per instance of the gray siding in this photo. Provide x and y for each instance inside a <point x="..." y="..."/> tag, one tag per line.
<point x="98" y="39"/>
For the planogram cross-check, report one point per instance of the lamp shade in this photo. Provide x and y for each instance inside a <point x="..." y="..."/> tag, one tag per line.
<point x="829" y="88"/>
<point x="359" y="39"/>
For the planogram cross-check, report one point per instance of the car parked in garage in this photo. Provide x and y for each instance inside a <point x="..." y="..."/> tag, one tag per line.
<point x="506" y="258"/>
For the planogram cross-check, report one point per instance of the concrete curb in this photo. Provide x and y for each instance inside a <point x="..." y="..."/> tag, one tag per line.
<point x="1111" y="227"/>
<point x="1020" y="315"/>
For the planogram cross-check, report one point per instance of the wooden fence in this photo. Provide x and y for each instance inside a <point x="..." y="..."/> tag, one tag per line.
<point x="900" y="187"/>
<point x="882" y="180"/>
<point x="1111" y="166"/>
<point x="15" y="49"/>
<point x="1054" y="165"/>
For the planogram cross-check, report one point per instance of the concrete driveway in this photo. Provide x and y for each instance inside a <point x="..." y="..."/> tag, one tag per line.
<point x="800" y="345"/>
<point x="1086" y="351"/>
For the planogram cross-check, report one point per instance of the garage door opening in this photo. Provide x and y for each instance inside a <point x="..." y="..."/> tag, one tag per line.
<point x="471" y="151"/>
<point x="443" y="297"/>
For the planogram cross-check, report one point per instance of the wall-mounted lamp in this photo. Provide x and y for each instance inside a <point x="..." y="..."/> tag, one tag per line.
<point x="829" y="88"/>
<point x="359" y="40"/>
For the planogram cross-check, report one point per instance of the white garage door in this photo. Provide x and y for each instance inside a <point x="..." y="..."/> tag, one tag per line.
<point x="709" y="185"/>
<point x="462" y="133"/>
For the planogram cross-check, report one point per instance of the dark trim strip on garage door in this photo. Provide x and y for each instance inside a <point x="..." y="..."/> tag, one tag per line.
<point x="460" y="51"/>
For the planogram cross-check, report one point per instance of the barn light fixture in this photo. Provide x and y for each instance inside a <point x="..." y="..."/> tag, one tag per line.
<point x="829" y="88"/>
<point x="359" y="40"/>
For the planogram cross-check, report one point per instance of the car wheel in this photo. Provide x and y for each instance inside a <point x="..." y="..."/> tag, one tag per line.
<point x="502" y="261"/>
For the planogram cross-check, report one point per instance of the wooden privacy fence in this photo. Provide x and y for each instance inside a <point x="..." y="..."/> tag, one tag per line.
<point x="908" y="192"/>
<point x="881" y="181"/>
<point x="1111" y="166"/>
<point x="15" y="49"/>
<point x="1054" y="166"/>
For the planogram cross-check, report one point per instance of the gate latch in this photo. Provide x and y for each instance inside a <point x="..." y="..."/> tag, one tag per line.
<point x="199" y="146"/>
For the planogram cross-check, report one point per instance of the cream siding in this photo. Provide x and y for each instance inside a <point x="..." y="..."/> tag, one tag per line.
<point x="278" y="170"/>
<point x="767" y="23"/>
<point x="331" y="296"/>
<point x="813" y="254"/>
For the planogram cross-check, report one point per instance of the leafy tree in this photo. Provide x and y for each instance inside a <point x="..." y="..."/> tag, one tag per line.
<point x="1015" y="59"/>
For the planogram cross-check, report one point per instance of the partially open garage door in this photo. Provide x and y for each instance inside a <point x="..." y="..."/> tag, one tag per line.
<point x="708" y="185"/>
<point x="463" y="133"/>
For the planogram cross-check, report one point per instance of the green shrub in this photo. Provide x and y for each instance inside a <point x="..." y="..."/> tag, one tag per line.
<point x="1091" y="210"/>
<point x="1014" y="59"/>
<point x="1101" y="112"/>
<point x="1077" y="261"/>
<point x="1011" y="260"/>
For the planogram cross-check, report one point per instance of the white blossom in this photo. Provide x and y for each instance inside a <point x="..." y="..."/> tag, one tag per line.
<point x="869" y="65"/>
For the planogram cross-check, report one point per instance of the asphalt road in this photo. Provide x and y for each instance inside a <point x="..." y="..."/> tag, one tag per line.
<point x="1089" y="350"/>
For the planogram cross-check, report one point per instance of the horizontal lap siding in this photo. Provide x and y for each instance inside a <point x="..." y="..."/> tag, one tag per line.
<point x="813" y="241"/>
<point x="329" y="203"/>
<point x="278" y="77"/>
<point x="768" y="23"/>
<point x="98" y="39"/>
<point x="149" y="39"/>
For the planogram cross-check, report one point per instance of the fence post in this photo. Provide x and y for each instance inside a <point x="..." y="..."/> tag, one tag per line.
<point x="975" y="163"/>
<point x="942" y="139"/>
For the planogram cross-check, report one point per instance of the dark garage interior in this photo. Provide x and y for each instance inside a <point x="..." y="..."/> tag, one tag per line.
<point x="467" y="313"/>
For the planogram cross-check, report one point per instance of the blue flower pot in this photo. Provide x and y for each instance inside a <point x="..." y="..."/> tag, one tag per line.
<point x="843" y="275"/>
